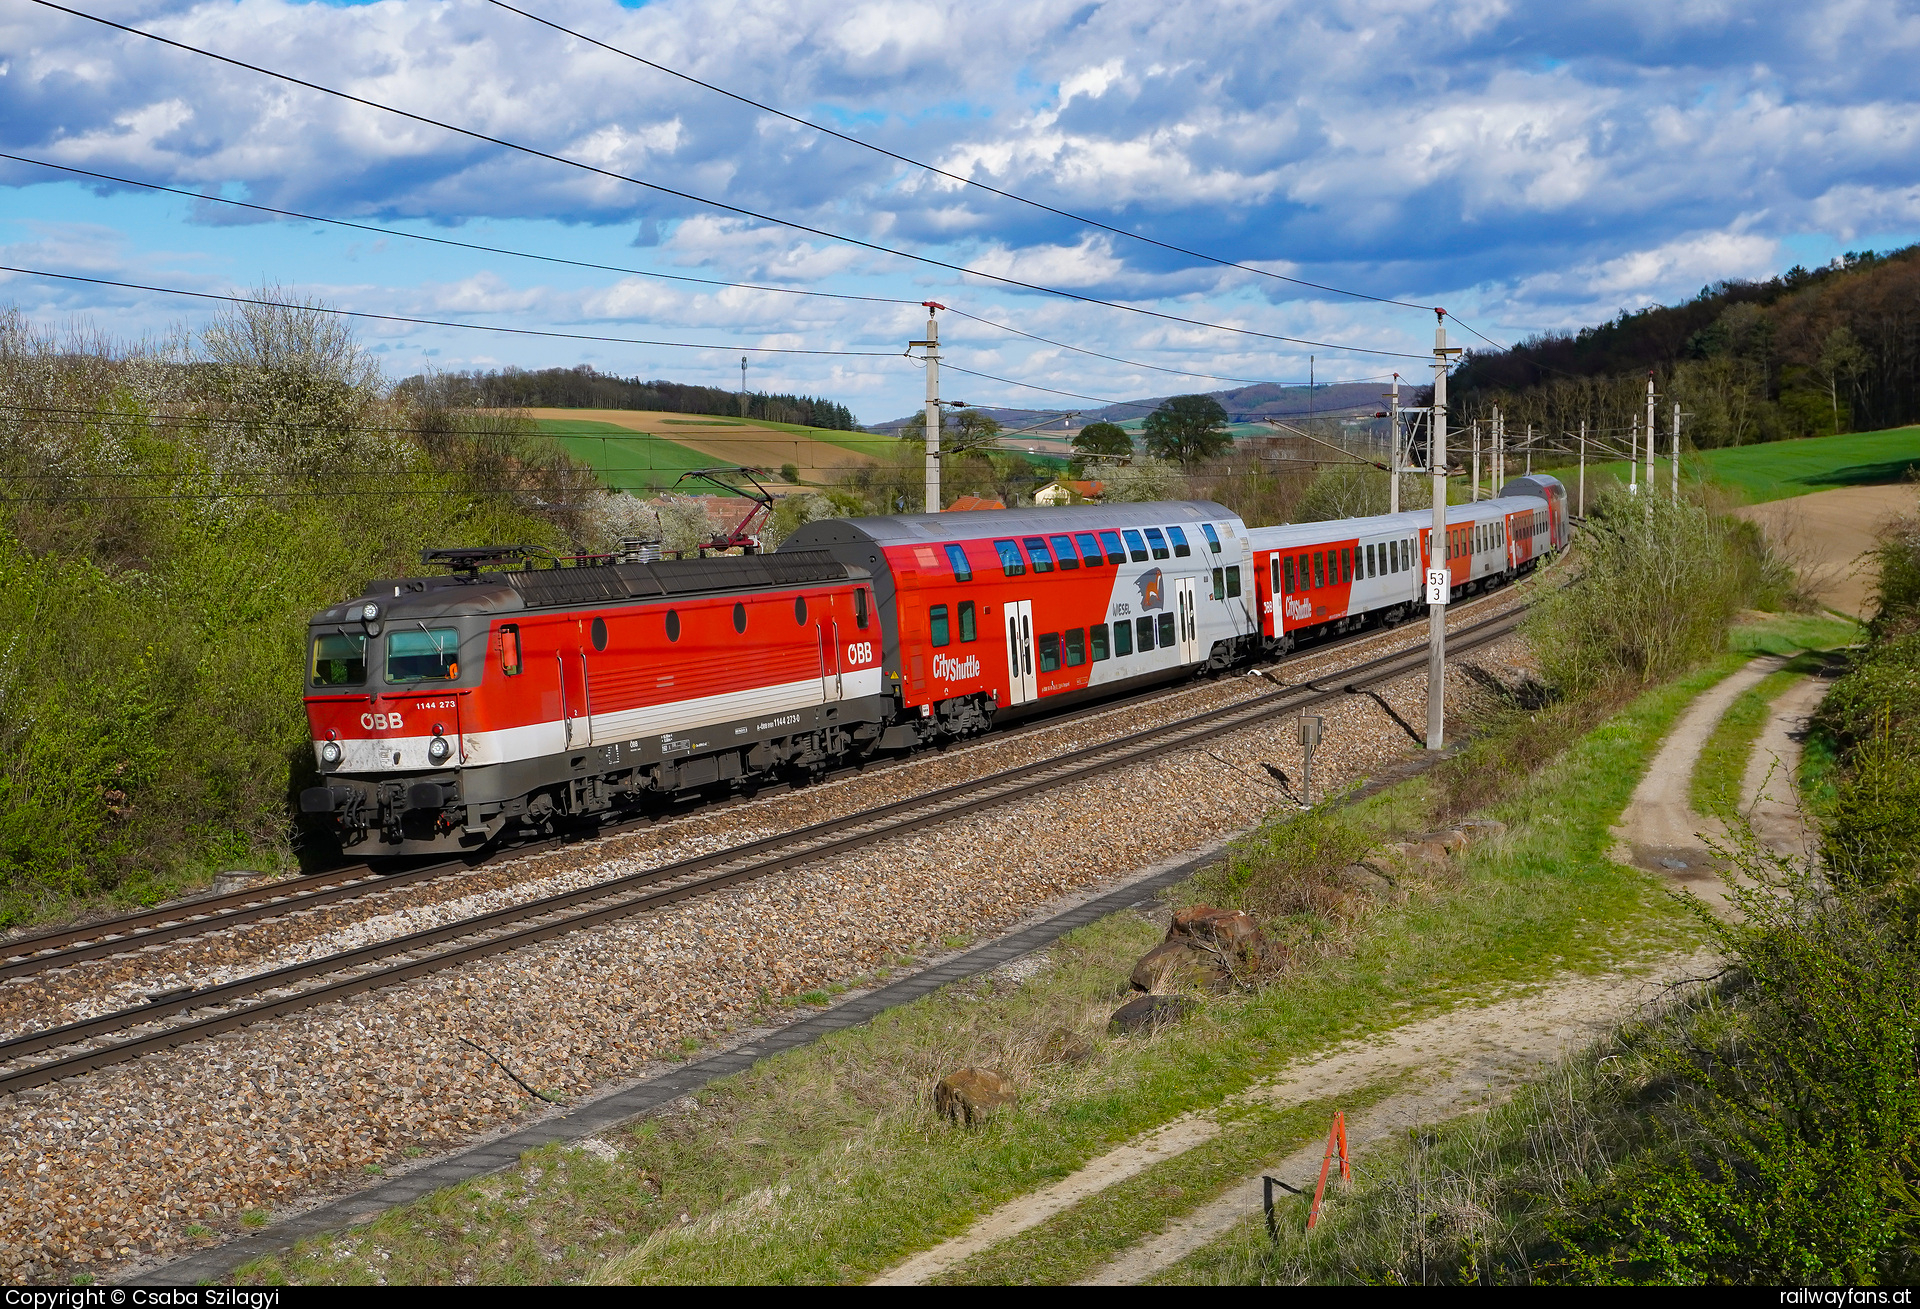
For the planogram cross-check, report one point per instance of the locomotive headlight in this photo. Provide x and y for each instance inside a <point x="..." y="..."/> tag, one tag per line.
<point x="369" y="611"/>
<point x="330" y="753"/>
<point x="438" y="749"/>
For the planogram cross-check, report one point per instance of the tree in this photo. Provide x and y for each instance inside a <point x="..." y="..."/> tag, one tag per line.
<point x="1101" y="438"/>
<point x="1187" y="429"/>
<point x="1143" y="480"/>
<point x="1841" y="360"/>
<point x="964" y="429"/>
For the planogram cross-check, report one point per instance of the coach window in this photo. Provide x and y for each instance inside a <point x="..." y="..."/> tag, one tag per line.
<point x="1063" y="551"/>
<point x="1288" y="561"/>
<point x="1319" y="568"/>
<point x="967" y="629"/>
<point x="1306" y="570"/>
<point x="1346" y="563"/>
<point x="859" y="610"/>
<point x="673" y="624"/>
<point x="1050" y="652"/>
<point x="1219" y="584"/>
<point x="1122" y="639"/>
<point x="1143" y="633"/>
<point x="509" y="650"/>
<point x="1166" y="630"/>
<point x="1158" y="542"/>
<point x="1037" y="553"/>
<point x="1097" y="641"/>
<point x="1089" y="549"/>
<point x="340" y="658"/>
<point x="1010" y="562"/>
<point x="1116" y="553"/>
<point x="937" y="631"/>
<point x="1213" y="537"/>
<point x="1136" y="545"/>
<point x="1180" y="547"/>
<point x="1274" y="562"/>
<point x="1076" y="647"/>
<point x="1233" y="580"/>
<point x="962" y="570"/>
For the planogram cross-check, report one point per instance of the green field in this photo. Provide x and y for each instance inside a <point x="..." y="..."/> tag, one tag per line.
<point x="626" y="460"/>
<point x="878" y="444"/>
<point x="1779" y="470"/>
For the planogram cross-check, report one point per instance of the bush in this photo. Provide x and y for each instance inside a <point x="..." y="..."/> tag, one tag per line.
<point x="1659" y="585"/>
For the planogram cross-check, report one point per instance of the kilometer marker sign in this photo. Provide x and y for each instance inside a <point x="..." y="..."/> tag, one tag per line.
<point x="1438" y="585"/>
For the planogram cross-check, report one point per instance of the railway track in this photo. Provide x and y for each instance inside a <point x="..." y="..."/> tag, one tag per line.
<point x="169" y="1020"/>
<point x="123" y="934"/>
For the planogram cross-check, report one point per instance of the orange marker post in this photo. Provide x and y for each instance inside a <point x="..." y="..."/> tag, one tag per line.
<point x="1336" y="1140"/>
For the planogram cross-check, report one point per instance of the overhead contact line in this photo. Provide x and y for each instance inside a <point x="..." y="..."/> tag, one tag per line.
<point x="756" y="215"/>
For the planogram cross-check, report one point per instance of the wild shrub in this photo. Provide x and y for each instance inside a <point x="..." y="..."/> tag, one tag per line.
<point x="1660" y="583"/>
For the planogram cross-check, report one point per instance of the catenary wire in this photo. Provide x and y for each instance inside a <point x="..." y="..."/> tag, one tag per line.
<point x="440" y="322"/>
<point x="534" y="152"/>
<point x="956" y="177"/>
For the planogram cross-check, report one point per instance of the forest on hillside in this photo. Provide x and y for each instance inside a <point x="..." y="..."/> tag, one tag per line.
<point x="1807" y="353"/>
<point x="582" y="387"/>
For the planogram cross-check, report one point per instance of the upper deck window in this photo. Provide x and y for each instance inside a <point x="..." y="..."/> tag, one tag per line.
<point x="1089" y="549"/>
<point x="1116" y="553"/>
<point x="423" y="655"/>
<point x="1010" y="562"/>
<point x="1136" y="545"/>
<point x="1063" y="550"/>
<point x="1213" y="537"/>
<point x="1158" y="542"/>
<point x="340" y="659"/>
<point x="962" y="570"/>
<point x="1037" y="553"/>
<point x="1180" y="547"/>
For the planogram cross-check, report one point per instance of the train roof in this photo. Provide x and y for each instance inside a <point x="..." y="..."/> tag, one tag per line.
<point x="1412" y="520"/>
<point x="547" y="588"/>
<point x="914" y="529"/>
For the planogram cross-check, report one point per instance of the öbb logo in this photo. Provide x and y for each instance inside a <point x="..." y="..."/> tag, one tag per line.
<point x="380" y="722"/>
<point x="949" y="669"/>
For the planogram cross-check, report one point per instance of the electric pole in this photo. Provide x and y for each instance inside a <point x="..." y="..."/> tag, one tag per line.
<point x="743" y="386"/>
<point x="932" y="346"/>
<point x="1676" y="452"/>
<point x="1476" y="461"/>
<point x="1583" y="468"/>
<point x="1652" y="439"/>
<point x="1439" y="579"/>
<point x="1633" y="457"/>
<point x="1529" y="449"/>
<point x="1393" y="428"/>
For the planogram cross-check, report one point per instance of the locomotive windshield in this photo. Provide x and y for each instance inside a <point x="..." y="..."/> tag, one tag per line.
<point x="339" y="659"/>
<point x="423" y="655"/>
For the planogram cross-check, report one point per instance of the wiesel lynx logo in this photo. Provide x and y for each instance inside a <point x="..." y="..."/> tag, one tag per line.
<point x="949" y="669"/>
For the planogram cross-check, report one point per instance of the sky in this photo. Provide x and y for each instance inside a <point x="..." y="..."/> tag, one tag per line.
<point x="1531" y="168"/>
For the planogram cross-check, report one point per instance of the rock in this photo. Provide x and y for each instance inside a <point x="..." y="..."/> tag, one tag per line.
<point x="1363" y="877"/>
<point x="1066" y="1047"/>
<point x="1483" y="829"/>
<point x="1228" y="940"/>
<point x="1174" y="964"/>
<point x="236" y="879"/>
<point x="1149" y="1013"/>
<point x="972" y="1094"/>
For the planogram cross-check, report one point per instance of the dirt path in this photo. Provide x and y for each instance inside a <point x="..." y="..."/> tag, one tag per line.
<point x="1460" y="1059"/>
<point x="1658" y="831"/>
<point x="1827" y="534"/>
<point x="1768" y="795"/>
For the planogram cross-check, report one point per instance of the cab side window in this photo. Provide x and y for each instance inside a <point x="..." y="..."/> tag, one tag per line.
<point x="967" y="630"/>
<point x="937" y="630"/>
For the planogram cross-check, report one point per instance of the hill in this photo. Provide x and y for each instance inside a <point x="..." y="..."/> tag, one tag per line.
<point x="1246" y="404"/>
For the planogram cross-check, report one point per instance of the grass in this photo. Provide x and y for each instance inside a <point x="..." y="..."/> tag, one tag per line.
<point x="1786" y="634"/>
<point x="827" y="1163"/>
<point x="1780" y="470"/>
<point x="625" y="460"/>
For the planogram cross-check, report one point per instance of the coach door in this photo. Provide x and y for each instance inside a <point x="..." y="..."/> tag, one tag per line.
<point x="576" y="698"/>
<point x="1020" y="678"/>
<point x="1187" y="617"/>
